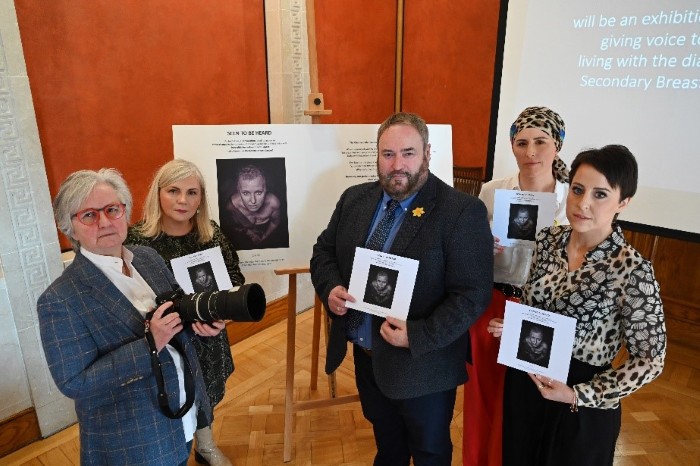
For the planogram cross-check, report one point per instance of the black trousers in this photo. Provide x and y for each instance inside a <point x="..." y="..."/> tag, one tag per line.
<point x="414" y="427"/>
<point x="539" y="432"/>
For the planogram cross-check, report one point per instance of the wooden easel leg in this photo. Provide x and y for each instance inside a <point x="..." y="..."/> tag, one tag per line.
<point x="331" y="377"/>
<point x="315" y="342"/>
<point x="290" y="406"/>
<point x="291" y="350"/>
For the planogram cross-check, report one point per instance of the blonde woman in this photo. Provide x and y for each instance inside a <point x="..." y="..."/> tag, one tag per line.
<point x="176" y="223"/>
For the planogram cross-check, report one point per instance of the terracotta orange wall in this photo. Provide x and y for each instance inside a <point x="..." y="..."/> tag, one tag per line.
<point x="449" y="50"/>
<point x="448" y="68"/>
<point x="356" y="49"/>
<point x="109" y="78"/>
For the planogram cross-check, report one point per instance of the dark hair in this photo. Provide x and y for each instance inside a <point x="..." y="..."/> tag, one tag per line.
<point x="615" y="162"/>
<point x="522" y="208"/>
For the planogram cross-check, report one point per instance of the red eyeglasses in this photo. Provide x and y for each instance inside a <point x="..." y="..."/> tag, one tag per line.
<point x="92" y="216"/>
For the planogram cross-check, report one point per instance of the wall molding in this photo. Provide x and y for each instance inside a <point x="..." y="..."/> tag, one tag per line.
<point x="29" y="249"/>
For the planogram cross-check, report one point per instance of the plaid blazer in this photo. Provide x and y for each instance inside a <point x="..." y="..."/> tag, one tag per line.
<point x="94" y="342"/>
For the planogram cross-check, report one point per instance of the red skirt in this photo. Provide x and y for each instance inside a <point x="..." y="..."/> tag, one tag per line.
<point x="483" y="393"/>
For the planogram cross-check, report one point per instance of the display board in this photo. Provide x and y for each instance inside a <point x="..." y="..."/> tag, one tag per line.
<point x="306" y="168"/>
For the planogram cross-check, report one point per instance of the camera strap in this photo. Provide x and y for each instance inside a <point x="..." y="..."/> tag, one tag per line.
<point x="157" y="371"/>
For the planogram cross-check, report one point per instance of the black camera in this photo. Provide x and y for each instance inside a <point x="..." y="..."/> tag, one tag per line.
<point x="245" y="303"/>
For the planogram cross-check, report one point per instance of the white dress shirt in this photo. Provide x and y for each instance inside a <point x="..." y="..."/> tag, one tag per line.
<point x="140" y="294"/>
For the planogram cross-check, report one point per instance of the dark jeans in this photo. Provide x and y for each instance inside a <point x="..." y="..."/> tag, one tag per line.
<point x="414" y="427"/>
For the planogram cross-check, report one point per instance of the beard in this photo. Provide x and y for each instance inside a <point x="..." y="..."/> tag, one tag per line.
<point x="402" y="184"/>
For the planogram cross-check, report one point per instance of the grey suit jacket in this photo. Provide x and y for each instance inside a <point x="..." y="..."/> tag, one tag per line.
<point x="452" y="241"/>
<point x="94" y="342"/>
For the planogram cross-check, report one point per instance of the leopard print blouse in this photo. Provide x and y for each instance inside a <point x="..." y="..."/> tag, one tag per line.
<point x="615" y="300"/>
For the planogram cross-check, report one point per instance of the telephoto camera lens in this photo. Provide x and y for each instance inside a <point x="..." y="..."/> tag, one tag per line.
<point x="245" y="303"/>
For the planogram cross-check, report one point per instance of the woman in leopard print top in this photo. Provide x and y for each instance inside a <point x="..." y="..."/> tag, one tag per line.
<point x="589" y="272"/>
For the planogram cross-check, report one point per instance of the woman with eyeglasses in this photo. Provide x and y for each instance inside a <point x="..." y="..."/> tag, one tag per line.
<point x="101" y="350"/>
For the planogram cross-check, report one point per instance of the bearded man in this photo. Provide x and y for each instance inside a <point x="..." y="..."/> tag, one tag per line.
<point x="407" y="372"/>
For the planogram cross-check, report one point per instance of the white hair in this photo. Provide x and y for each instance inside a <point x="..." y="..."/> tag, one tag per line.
<point x="77" y="187"/>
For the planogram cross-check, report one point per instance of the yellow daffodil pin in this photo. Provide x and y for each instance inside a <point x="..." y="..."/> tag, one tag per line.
<point x="418" y="211"/>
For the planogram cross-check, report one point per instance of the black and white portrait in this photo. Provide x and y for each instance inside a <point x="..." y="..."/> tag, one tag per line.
<point x="253" y="202"/>
<point x="381" y="283"/>
<point x="535" y="343"/>
<point x="522" y="223"/>
<point x="202" y="277"/>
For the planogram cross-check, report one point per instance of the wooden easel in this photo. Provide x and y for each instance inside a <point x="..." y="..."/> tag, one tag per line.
<point x="290" y="406"/>
<point x="315" y="110"/>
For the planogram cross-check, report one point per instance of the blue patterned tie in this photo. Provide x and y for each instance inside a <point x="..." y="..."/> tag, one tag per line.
<point x="381" y="233"/>
<point x="376" y="242"/>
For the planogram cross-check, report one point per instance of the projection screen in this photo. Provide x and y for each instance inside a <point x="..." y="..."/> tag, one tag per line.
<point x="622" y="72"/>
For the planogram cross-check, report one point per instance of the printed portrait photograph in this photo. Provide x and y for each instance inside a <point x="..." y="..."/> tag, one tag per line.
<point x="381" y="283"/>
<point x="202" y="277"/>
<point x="535" y="343"/>
<point x="522" y="222"/>
<point x="253" y="202"/>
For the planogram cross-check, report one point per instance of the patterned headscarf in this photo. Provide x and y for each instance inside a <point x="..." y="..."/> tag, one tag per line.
<point x="551" y="123"/>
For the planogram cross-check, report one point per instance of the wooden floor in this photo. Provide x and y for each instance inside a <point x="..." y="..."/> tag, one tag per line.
<point x="661" y="422"/>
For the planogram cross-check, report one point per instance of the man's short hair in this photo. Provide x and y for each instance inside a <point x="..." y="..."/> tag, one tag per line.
<point x="408" y="119"/>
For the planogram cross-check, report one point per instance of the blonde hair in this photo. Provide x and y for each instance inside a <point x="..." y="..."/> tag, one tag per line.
<point x="172" y="172"/>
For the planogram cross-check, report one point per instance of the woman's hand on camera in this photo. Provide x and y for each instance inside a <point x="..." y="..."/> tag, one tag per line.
<point x="164" y="327"/>
<point x="208" y="329"/>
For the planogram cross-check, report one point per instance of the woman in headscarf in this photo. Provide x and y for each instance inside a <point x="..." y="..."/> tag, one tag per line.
<point x="536" y="137"/>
